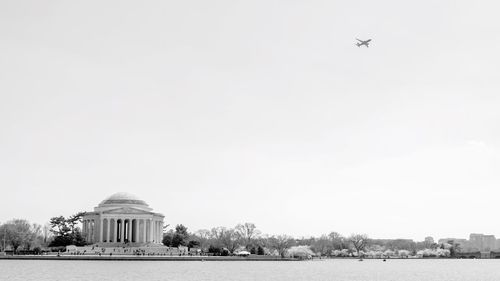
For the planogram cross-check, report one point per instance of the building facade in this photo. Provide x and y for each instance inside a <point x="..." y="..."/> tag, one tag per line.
<point x="482" y="242"/>
<point x="123" y="219"/>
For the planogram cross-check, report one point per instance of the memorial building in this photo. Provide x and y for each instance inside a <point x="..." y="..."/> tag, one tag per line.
<point x="123" y="219"/>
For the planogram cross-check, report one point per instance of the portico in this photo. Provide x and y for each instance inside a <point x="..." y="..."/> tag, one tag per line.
<point x="122" y="218"/>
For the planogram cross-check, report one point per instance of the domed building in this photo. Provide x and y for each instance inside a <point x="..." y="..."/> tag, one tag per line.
<point x="123" y="219"/>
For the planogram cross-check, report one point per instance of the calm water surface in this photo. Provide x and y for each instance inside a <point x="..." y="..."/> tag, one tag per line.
<point x="339" y="270"/>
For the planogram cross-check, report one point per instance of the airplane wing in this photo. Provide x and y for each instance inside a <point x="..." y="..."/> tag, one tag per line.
<point x="359" y="40"/>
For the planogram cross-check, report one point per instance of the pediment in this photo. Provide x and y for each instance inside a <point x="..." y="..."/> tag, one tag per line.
<point x="127" y="210"/>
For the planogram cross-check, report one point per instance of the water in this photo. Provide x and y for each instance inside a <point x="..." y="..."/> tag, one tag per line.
<point x="338" y="270"/>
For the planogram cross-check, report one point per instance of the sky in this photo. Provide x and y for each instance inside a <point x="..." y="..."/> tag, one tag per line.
<point x="223" y="112"/>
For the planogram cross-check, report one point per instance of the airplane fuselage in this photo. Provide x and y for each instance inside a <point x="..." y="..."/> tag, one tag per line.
<point x="363" y="42"/>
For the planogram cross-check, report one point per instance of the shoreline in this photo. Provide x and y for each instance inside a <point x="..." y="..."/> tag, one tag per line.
<point x="192" y="258"/>
<point x="142" y="258"/>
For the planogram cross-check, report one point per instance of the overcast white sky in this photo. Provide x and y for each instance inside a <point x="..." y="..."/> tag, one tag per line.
<point x="221" y="112"/>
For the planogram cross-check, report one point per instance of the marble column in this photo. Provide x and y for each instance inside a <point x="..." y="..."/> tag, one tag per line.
<point x="132" y="236"/>
<point x="154" y="230"/>
<point x="144" y="238"/>
<point x="130" y="230"/>
<point x="151" y="225"/>
<point x="101" y="231"/>
<point x="159" y="232"/>
<point x="108" y="227"/>
<point x="122" y="234"/>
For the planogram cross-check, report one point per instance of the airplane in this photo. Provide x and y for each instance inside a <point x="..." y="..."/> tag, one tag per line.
<point x="361" y="42"/>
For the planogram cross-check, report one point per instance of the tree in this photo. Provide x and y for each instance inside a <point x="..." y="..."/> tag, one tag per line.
<point x="74" y="220"/>
<point x="181" y="230"/>
<point x="224" y="237"/>
<point x="246" y="232"/>
<point x="336" y="240"/>
<point x="300" y="251"/>
<point x="203" y="237"/>
<point x="19" y="233"/>
<point x="358" y="241"/>
<point x="35" y="237"/>
<point x="167" y="238"/>
<point x="181" y="236"/>
<point x="403" y="253"/>
<point x="388" y="253"/>
<point x="59" y="226"/>
<point x="65" y="230"/>
<point x="260" y="251"/>
<point x="321" y="245"/>
<point x="454" y="249"/>
<point x="281" y="243"/>
<point x="178" y="240"/>
<point x="3" y="237"/>
<point x="193" y="244"/>
<point x="216" y="251"/>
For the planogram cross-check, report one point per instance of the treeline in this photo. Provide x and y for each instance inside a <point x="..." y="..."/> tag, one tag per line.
<point x="20" y="234"/>
<point x="246" y="237"/>
<point x="61" y="231"/>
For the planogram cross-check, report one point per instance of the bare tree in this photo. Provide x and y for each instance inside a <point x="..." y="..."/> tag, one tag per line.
<point x="281" y="243"/>
<point x="18" y="233"/>
<point x="321" y="245"/>
<point x="246" y="232"/>
<point x="34" y="237"/>
<point x="358" y="241"/>
<point x="203" y="233"/>
<point x="203" y="236"/>
<point x="225" y="238"/>
<point x="217" y="233"/>
<point x="336" y="240"/>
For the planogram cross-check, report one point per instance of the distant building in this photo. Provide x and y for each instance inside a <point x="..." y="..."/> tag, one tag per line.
<point x="429" y="240"/>
<point x="448" y="240"/>
<point x="489" y="242"/>
<point x="483" y="242"/>
<point x="477" y="242"/>
<point x="459" y="243"/>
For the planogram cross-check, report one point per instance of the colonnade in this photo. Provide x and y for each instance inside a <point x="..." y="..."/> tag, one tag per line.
<point x="122" y="230"/>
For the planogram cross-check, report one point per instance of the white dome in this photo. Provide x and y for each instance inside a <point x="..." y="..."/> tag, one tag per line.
<point x="123" y="198"/>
